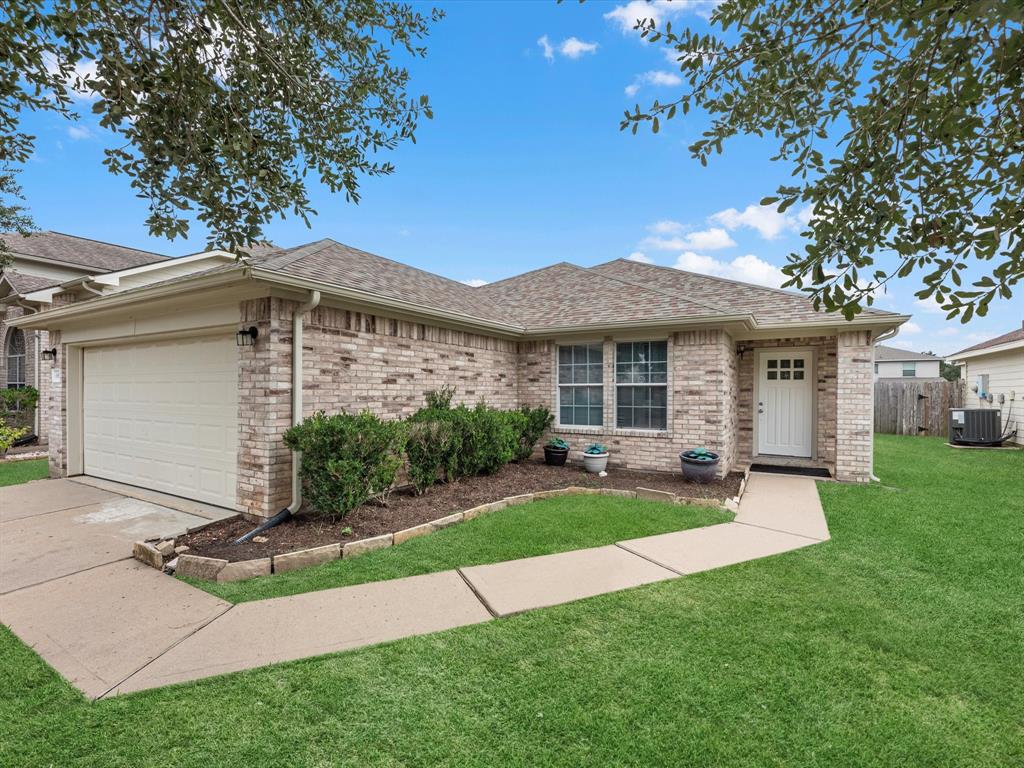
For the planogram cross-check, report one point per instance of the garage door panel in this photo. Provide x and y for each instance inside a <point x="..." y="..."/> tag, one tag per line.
<point x="164" y="415"/>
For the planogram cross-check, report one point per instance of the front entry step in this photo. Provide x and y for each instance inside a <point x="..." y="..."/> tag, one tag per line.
<point x="775" y="469"/>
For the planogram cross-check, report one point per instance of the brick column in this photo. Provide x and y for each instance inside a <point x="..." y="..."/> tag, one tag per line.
<point x="704" y="393"/>
<point x="55" y="410"/>
<point x="264" y="408"/>
<point x="854" y="403"/>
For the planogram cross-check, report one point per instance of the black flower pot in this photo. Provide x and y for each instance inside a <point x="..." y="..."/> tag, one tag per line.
<point x="555" y="457"/>
<point x="699" y="469"/>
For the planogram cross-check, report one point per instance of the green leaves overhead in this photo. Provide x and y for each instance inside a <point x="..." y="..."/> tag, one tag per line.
<point x="224" y="108"/>
<point x="902" y="122"/>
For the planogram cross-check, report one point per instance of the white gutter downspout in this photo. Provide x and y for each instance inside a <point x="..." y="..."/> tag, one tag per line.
<point x="884" y="336"/>
<point x="300" y="311"/>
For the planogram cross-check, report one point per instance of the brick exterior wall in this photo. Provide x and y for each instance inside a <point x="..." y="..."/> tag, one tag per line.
<point x="825" y="394"/>
<point x="353" y="361"/>
<point x="855" y="406"/>
<point x="702" y="401"/>
<point x="57" y="412"/>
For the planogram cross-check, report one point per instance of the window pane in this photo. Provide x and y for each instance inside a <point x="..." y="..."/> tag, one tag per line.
<point x="798" y="375"/>
<point x="773" y="363"/>
<point x="798" y="363"/>
<point x="564" y="355"/>
<point x="772" y="375"/>
<point x="565" y="414"/>
<point x="784" y="363"/>
<point x="564" y="374"/>
<point x="784" y="375"/>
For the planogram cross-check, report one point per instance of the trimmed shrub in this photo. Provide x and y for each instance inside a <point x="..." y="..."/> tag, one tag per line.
<point x="429" y="449"/>
<point x="534" y="423"/>
<point x="17" y="407"/>
<point x="347" y="458"/>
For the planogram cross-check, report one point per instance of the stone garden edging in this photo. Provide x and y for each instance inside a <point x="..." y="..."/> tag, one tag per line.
<point x="163" y="555"/>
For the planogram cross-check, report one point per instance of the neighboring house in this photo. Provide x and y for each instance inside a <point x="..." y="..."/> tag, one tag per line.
<point x="40" y="263"/>
<point x="894" y="363"/>
<point x="994" y="373"/>
<point x="185" y="385"/>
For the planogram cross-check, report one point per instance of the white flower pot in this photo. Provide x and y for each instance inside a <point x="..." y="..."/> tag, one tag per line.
<point x="595" y="462"/>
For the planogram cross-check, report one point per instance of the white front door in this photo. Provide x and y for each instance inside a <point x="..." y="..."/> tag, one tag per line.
<point x="785" y="404"/>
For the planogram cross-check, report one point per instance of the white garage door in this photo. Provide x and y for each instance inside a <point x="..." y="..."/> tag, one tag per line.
<point x="164" y="416"/>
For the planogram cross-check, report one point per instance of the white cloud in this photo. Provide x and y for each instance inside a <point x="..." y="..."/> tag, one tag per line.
<point x="86" y="68"/>
<point x="573" y="47"/>
<point x="546" y="47"/>
<point x="640" y="257"/>
<point x="949" y="332"/>
<point x="747" y="269"/>
<point x="655" y="77"/>
<point x="910" y="327"/>
<point x="79" y="132"/>
<point x="666" y="227"/>
<point x="476" y="282"/>
<point x="766" y="219"/>
<point x="570" y="48"/>
<point x="930" y="305"/>
<point x="625" y="16"/>
<point x="712" y="239"/>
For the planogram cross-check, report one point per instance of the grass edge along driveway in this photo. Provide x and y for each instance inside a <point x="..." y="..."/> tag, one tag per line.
<point x="900" y="642"/>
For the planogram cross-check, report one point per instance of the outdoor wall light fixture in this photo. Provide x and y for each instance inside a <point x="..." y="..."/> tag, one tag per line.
<point x="49" y="354"/>
<point x="246" y="337"/>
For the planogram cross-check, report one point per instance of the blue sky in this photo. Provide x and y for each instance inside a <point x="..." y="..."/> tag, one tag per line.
<point x="523" y="166"/>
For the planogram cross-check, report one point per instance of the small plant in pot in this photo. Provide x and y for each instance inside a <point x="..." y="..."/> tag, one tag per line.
<point x="556" y="451"/>
<point x="699" y="465"/>
<point x="595" y="458"/>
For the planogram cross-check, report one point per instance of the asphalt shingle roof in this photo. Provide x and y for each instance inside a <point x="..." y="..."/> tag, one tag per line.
<point x="884" y="353"/>
<point x="27" y="283"/>
<point x="1006" y="338"/>
<point x="80" y="251"/>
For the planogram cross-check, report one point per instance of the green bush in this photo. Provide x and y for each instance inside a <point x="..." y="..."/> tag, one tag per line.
<point x="429" y="450"/>
<point x="8" y="435"/>
<point x="537" y="420"/>
<point x="347" y="458"/>
<point x="17" y="406"/>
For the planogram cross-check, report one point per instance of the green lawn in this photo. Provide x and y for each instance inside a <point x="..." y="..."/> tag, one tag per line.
<point x="15" y="472"/>
<point x="539" y="528"/>
<point x="898" y="643"/>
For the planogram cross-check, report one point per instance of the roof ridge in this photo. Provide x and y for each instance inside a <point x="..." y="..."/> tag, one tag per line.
<point x="657" y="289"/>
<point x="287" y="256"/>
<point x="767" y="288"/>
<point x="530" y="272"/>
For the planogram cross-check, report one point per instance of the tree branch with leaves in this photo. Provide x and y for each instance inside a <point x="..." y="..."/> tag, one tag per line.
<point x="902" y="122"/>
<point x="224" y="108"/>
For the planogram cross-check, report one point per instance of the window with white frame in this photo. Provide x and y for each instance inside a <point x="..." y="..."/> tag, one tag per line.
<point x="15" y="353"/>
<point x="581" y="385"/>
<point x="641" y="384"/>
<point x="910" y="369"/>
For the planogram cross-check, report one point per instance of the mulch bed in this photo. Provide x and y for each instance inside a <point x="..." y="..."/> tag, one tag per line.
<point x="405" y="509"/>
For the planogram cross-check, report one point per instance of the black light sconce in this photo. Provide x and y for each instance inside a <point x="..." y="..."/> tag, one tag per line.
<point x="741" y="349"/>
<point x="49" y="355"/>
<point x="246" y="337"/>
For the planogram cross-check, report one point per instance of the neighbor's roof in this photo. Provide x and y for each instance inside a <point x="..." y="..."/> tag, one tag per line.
<point x="78" y="251"/>
<point x="23" y="283"/>
<point x="1006" y="338"/>
<point x="894" y="355"/>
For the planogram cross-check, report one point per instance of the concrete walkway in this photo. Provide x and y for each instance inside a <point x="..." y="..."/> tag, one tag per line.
<point x="96" y="625"/>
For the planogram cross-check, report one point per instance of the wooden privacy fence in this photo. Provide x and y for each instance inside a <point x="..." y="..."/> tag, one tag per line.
<point x="909" y="407"/>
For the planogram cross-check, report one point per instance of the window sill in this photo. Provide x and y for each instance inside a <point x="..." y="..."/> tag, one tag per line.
<point x="610" y="431"/>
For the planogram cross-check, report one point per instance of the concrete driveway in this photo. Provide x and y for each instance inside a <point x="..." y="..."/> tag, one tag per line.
<point x="63" y="543"/>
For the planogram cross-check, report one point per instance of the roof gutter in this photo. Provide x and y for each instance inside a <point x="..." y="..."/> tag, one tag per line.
<point x="109" y="302"/>
<point x="367" y="297"/>
<point x="702" y="320"/>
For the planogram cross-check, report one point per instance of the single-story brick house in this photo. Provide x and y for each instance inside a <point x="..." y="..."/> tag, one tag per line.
<point x="185" y="383"/>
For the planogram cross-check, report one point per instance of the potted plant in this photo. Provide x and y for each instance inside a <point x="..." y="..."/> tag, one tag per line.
<point x="699" y="465"/>
<point x="595" y="458"/>
<point x="556" y="451"/>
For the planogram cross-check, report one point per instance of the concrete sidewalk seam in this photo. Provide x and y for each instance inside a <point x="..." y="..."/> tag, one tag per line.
<point x="780" y="530"/>
<point x="623" y="547"/>
<point x="52" y="511"/>
<point x="65" y="576"/>
<point x="477" y="595"/>
<point x="165" y="651"/>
